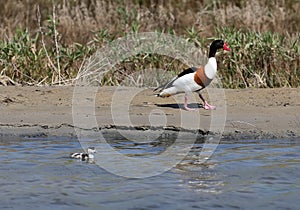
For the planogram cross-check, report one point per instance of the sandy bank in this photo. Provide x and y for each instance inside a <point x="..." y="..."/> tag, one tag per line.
<point x="253" y="113"/>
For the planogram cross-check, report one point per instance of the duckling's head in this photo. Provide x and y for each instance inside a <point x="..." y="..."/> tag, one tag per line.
<point x="91" y="150"/>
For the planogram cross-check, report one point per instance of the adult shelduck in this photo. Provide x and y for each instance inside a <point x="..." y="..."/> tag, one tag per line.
<point x="84" y="156"/>
<point x="195" y="79"/>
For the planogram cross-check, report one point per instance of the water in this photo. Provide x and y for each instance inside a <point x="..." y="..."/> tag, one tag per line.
<point x="36" y="173"/>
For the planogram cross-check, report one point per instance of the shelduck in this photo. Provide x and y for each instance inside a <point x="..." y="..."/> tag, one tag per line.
<point x="194" y="79"/>
<point x="84" y="156"/>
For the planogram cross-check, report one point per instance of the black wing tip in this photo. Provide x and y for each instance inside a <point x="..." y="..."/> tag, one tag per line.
<point x="156" y="89"/>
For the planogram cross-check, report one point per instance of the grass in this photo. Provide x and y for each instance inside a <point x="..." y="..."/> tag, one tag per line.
<point x="260" y="59"/>
<point x="46" y="43"/>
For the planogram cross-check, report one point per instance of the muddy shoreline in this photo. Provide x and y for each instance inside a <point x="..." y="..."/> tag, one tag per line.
<point x="247" y="113"/>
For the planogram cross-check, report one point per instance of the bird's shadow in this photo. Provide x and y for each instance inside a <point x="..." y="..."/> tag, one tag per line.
<point x="181" y="106"/>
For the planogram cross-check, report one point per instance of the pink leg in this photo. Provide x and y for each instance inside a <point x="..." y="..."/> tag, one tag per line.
<point x="186" y="104"/>
<point x="208" y="106"/>
<point x="205" y="104"/>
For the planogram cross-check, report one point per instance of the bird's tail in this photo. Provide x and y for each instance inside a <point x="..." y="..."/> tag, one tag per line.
<point x="168" y="92"/>
<point x="167" y="85"/>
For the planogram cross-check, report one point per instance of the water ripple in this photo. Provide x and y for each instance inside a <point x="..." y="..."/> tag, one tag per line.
<point x="37" y="173"/>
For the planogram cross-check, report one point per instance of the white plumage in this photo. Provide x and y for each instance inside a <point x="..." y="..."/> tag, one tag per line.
<point x="211" y="68"/>
<point x="183" y="84"/>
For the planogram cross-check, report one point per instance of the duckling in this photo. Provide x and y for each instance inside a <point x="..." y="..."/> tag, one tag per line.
<point x="84" y="156"/>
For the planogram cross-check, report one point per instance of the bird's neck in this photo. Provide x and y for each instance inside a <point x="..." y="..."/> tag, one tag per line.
<point x="212" y="53"/>
<point x="210" y="68"/>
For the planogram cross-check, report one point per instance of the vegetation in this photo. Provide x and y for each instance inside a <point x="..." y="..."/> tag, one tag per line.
<point x="45" y="42"/>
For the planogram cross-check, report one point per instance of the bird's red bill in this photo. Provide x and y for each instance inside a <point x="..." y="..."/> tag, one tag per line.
<point x="225" y="47"/>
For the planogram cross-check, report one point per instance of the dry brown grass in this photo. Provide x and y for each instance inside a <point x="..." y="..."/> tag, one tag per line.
<point x="79" y="19"/>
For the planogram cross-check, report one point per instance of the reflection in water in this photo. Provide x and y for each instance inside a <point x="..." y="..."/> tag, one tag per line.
<point x="201" y="179"/>
<point x="37" y="173"/>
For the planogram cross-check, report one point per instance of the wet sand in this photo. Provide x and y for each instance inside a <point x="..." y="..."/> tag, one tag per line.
<point x="247" y="113"/>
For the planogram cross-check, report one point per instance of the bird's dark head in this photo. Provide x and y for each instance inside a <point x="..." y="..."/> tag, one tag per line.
<point x="217" y="44"/>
